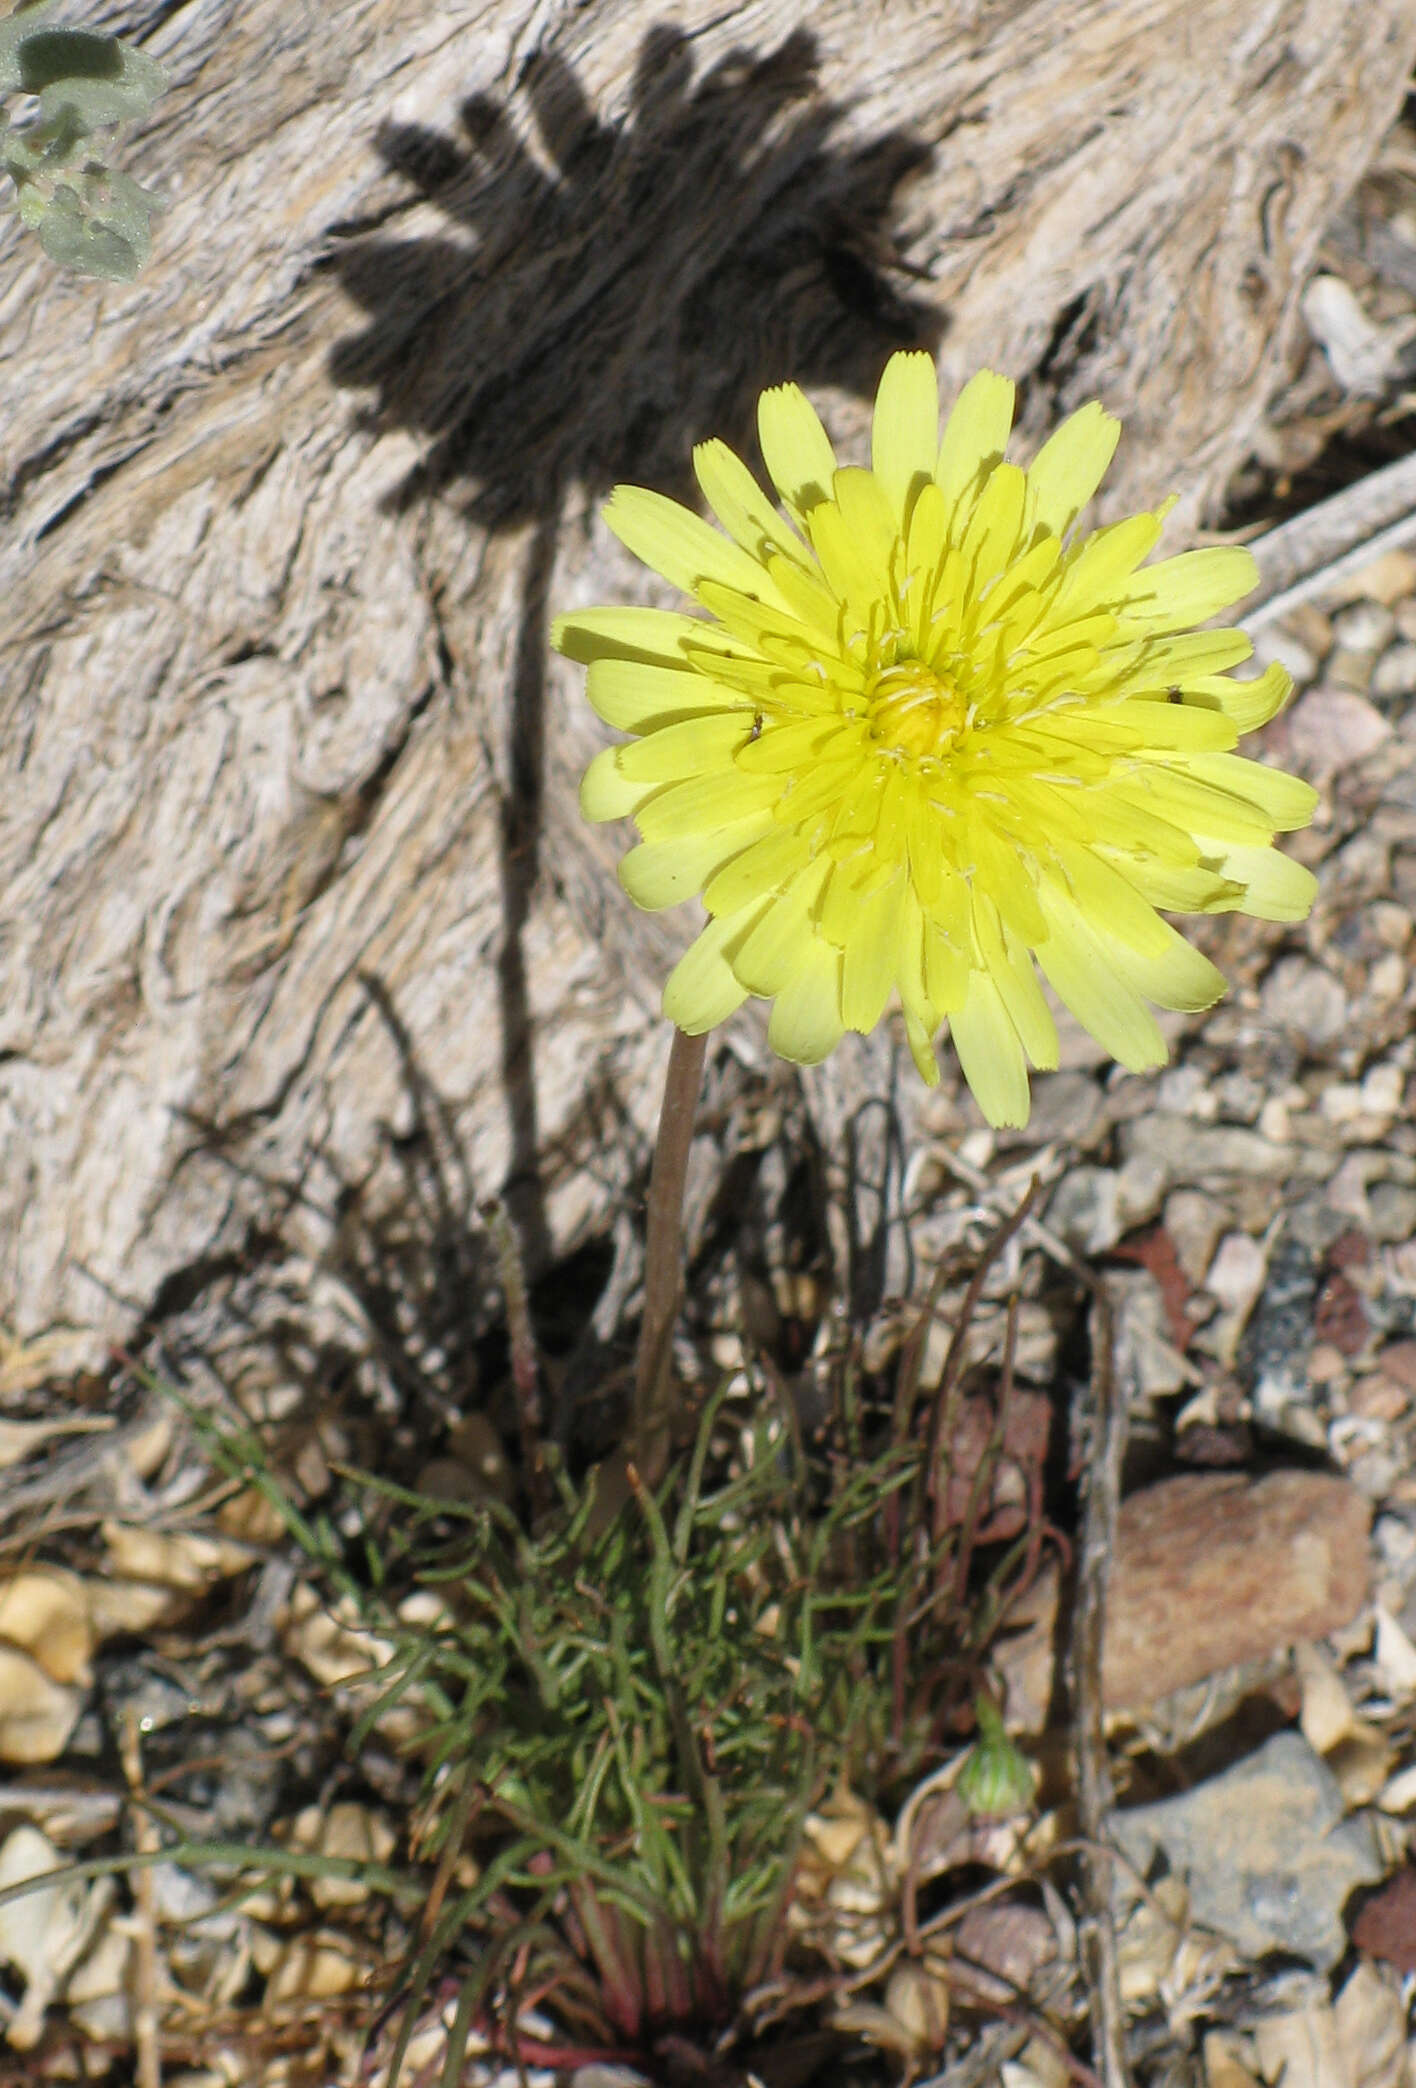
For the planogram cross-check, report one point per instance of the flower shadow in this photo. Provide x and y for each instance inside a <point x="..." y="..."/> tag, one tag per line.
<point x="607" y="292"/>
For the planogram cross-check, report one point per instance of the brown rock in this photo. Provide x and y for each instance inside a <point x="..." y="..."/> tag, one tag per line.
<point x="999" y="1949"/>
<point x="1339" y="1316"/>
<point x="1378" y="1398"/>
<point x="1213" y="1570"/>
<point x="1386" y="1926"/>
<point x="1331" y="727"/>
<point x="1397" y="1361"/>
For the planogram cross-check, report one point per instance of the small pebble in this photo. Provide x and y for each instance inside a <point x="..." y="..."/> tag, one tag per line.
<point x="1275" y="1123"/>
<point x="1363" y="627"/>
<point x="1332" y="727"/>
<point x="1382" y="1088"/>
<point x="1313" y="629"/>
<point x="1194" y="1223"/>
<point x="1386" y="578"/>
<point x="1394" y="675"/>
<point x="1405" y="614"/>
<point x="1276" y="643"/>
<point x="1396" y="1543"/>
<point x="1326" y="1364"/>
<point x="1386" y="981"/>
<point x="1391" y="924"/>
<point x="1397" y="1361"/>
<point x="1375" y="1472"/>
<point x="1239" y="1098"/>
<point x="1185" y="1091"/>
<point x="1236" y="1275"/>
<point x="1391" y="1213"/>
<point x="1340" y="1102"/>
<point x="1302" y="998"/>
<point x="1376" y="1398"/>
<point x="1084" y="1211"/>
<point x="1348" y="670"/>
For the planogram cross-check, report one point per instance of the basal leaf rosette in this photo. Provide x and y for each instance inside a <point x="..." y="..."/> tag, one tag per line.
<point x="930" y="740"/>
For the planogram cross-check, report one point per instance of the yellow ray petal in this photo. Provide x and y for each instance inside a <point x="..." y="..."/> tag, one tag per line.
<point x="1096" y="573"/>
<point x="992" y="535"/>
<point x="702" y="990"/>
<point x="693" y="747"/>
<point x="743" y="508"/>
<point x="1286" y="801"/>
<point x="866" y="513"/>
<point x="770" y="953"/>
<point x="795" y="447"/>
<point x="1068" y="469"/>
<point x="975" y="435"/>
<point x="1178" y="976"/>
<point x="785" y="746"/>
<point x="990" y="1054"/>
<point x="1249" y="703"/>
<point x="606" y="793"/>
<point x="1275" y="887"/>
<point x="758" y="872"/>
<point x="904" y="435"/>
<point x="919" y="1036"/>
<point x="681" y="545"/>
<point x="1176" y="661"/>
<point x="657" y="874"/>
<point x="1102" y="894"/>
<point x="806" y="1023"/>
<point x="638" y="695"/>
<point x="1075" y="967"/>
<point x="704" y="803"/>
<point x="946" y="968"/>
<point x="1010" y="968"/>
<point x="1192" y="586"/>
<point x="868" y="973"/>
<point x="1183" y="799"/>
<point x="657" y="635"/>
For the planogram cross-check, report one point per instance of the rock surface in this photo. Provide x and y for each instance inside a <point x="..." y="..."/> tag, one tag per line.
<point x="1265" y="1850"/>
<point x="1213" y="1570"/>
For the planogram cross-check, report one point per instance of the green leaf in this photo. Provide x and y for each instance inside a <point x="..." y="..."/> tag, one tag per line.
<point x="99" y="79"/>
<point x="14" y="31"/>
<point x="101" y="227"/>
<point x="85" y="243"/>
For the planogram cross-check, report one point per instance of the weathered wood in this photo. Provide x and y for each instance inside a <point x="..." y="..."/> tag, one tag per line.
<point x="299" y="918"/>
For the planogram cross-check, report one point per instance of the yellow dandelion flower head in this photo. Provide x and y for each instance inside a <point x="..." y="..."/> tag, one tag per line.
<point x="930" y="739"/>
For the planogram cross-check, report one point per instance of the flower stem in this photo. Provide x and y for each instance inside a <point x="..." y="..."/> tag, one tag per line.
<point x="655" y="1400"/>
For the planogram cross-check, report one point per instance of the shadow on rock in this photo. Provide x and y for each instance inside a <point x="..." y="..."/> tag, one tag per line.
<point x="604" y="295"/>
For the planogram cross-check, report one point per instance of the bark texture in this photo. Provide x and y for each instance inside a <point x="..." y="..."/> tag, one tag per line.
<point x="300" y="924"/>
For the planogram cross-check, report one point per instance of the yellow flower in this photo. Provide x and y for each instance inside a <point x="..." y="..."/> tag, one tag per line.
<point x="932" y="737"/>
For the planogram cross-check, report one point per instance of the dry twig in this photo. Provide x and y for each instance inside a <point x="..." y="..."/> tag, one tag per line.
<point x="146" y="2034"/>
<point x="1320" y="547"/>
<point x="1097" y="1936"/>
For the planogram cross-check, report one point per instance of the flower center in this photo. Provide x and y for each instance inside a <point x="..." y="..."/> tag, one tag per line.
<point x="914" y="712"/>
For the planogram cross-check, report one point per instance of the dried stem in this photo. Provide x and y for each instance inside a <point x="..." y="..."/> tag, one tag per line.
<point x="146" y="2023"/>
<point x="1094" y="1794"/>
<point x="525" y="1368"/>
<point x="655" y="1403"/>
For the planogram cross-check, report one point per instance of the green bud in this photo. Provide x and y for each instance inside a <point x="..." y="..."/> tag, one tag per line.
<point x="997" y="1778"/>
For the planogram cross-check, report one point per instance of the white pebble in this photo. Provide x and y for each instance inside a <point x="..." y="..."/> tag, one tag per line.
<point x="1341" y="1102"/>
<point x="1382" y="1088"/>
<point x="1364" y="627"/>
<point x="1236" y="1275"/>
<point x="1277" y="644"/>
<point x="1395" y="672"/>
